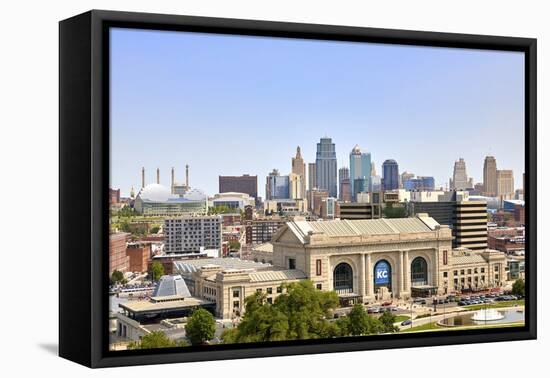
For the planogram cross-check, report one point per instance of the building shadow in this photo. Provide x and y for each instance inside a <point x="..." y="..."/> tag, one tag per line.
<point x="51" y="348"/>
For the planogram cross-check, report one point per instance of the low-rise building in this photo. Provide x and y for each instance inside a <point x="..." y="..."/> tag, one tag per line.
<point x="118" y="260"/>
<point x="190" y="233"/>
<point x="138" y="254"/>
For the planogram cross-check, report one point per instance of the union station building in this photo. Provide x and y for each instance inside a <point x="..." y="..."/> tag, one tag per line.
<point x="364" y="261"/>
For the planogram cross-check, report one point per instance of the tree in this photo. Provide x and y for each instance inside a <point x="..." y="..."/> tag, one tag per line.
<point x="117" y="277"/>
<point x="156" y="339"/>
<point x="200" y="327"/>
<point x="157" y="270"/>
<point x="387" y="319"/>
<point x="299" y="313"/>
<point x="518" y="288"/>
<point x="394" y="212"/>
<point x="234" y="245"/>
<point x="359" y="322"/>
<point x="155" y="229"/>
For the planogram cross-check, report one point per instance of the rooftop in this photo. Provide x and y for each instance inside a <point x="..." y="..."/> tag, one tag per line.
<point x="190" y="266"/>
<point x="364" y="227"/>
<point x="154" y="306"/>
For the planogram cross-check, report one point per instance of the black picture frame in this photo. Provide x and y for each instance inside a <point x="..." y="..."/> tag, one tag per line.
<point x="84" y="183"/>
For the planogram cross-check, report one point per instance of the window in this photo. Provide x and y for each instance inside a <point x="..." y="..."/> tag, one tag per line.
<point x="461" y="271"/>
<point x="291" y="263"/>
<point x="482" y="270"/>
<point x="343" y="278"/>
<point x="279" y="289"/>
<point x="445" y="274"/>
<point x="236" y="293"/>
<point x="235" y="304"/>
<point x="445" y="257"/>
<point x="455" y="273"/>
<point x="269" y="290"/>
<point x="270" y="300"/>
<point x="496" y="268"/>
<point x="259" y="290"/>
<point x="318" y="267"/>
<point x="319" y="287"/>
<point x="469" y="271"/>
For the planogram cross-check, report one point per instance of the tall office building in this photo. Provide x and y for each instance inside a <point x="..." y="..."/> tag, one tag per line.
<point x="424" y="183"/>
<point x="470" y="225"/>
<point x="360" y="167"/>
<point x="344" y="183"/>
<point x="296" y="186"/>
<point x="375" y="184"/>
<point x="241" y="184"/>
<point x="326" y="166"/>
<point x="312" y="176"/>
<point x="299" y="169"/>
<point x="405" y="176"/>
<point x="390" y="175"/>
<point x="490" y="176"/>
<point x="460" y="180"/>
<point x="277" y="186"/>
<point x="505" y="183"/>
<point x="373" y="168"/>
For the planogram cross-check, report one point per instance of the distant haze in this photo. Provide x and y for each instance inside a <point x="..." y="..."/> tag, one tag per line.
<point x="228" y="105"/>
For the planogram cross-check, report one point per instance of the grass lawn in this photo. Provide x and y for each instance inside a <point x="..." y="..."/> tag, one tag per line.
<point x="423" y="327"/>
<point x="520" y="302"/>
<point x="434" y="327"/>
<point x="400" y="318"/>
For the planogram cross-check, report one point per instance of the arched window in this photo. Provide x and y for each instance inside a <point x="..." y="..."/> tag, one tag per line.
<point x="419" y="272"/>
<point x="343" y="278"/>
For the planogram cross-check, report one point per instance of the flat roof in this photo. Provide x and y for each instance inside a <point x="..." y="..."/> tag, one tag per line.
<point x="151" y="306"/>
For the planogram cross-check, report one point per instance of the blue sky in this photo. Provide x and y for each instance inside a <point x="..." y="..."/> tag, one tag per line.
<point x="228" y="105"/>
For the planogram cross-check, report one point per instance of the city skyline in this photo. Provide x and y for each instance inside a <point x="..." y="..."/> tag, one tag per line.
<point x="161" y="106"/>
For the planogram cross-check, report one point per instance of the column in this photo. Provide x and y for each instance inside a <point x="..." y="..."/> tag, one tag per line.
<point x="401" y="274"/>
<point x="370" y="284"/>
<point x="361" y="277"/>
<point x="407" y="278"/>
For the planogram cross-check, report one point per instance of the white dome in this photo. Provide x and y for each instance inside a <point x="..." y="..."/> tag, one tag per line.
<point x="195" y="195"/>
<point x="155" y="193"/>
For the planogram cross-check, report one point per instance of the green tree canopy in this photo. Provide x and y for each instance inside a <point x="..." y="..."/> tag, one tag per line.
<point x="299" y="313"/>
<point x="117" y="277"/>
<point x="518" y="288"/>
<point x="361" y="323"/>
<point x="234" y="245"/>
<point x="156" y="339"/>
<point x="200" y="327"/>
<point x="391" y="211"/>
<point x="157" y="270"/>
<point x="387" y="319"/>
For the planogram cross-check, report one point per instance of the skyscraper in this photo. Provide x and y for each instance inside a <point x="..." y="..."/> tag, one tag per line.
<point x="312" y="176"/>
<point x="326" y="166"/>
<point x="460" y="180"/>
<point x="505" y="183"/>
<point x="299" y="169"/>
<point x="405" y="176"/>
<point x="390" y="175"/>
<point x="344" y="184"/>
<point x="277" y="186"/>
<point x="490" y="176"/>
<point x="359" y="167"/>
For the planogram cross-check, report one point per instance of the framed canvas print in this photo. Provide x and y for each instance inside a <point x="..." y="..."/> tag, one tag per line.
<point x="235" y="188"/>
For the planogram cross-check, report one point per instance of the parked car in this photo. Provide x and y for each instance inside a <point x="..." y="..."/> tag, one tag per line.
<point x="462" y="303"/>
<point x="406" y="322"/>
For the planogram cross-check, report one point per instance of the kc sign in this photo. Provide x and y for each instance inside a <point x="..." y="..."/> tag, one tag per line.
<point x="382" y="273"/>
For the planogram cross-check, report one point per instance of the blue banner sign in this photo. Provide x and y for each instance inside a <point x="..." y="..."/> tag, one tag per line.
<point x="382" y="273"/>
